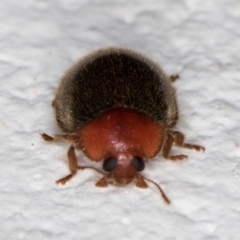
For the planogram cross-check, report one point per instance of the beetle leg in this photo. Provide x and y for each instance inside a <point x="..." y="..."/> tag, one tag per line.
<point x="59" y="137"/>
<point x="73" y="166"/>
<point x="173" y="78"/>
<point x="179" y="140"/>
<point x="167" y="147"/>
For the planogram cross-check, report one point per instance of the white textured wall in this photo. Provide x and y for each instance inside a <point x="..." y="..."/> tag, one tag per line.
<point x="197" y="39"/>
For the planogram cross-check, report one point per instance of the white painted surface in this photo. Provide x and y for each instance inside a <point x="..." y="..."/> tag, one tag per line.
<point x="197" y="39"/>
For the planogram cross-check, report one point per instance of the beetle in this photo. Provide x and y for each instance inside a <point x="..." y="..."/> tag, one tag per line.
<point x="118" y="106"/>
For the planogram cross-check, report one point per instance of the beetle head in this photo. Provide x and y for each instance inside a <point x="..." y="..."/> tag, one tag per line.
<point x="123" y="168"/>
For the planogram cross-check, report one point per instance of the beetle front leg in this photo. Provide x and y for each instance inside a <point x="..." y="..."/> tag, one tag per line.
<point x="73" y="166"/>
<point x="177" y="138"/>
<point x="59" y="137"/>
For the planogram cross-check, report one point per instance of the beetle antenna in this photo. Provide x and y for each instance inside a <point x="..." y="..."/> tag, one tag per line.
<point x="159" y="188"/>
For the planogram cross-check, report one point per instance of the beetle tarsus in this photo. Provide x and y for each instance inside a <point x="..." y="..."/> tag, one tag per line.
<point x="65" y="179"/>
<point x="47" y="137"/>
<point x="193" y="146"/>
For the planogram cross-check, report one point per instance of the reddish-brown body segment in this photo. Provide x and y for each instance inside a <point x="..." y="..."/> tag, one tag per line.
<point x="124" y="134"/>
<point x="121" y="131"/>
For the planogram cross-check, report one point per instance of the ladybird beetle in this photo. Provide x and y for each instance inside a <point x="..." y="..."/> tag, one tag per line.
<point x="119" y="107"/>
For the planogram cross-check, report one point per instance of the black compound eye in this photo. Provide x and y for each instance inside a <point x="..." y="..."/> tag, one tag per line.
<point x="138" y="163"/>
<point x="109" y="164"/>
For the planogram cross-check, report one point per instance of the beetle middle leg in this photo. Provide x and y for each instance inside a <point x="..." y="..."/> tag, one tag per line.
<point x="72" y="158"/>
<point x="60" y="137"/>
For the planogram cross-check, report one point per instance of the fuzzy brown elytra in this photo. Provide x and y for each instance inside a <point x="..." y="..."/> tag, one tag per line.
<point x="119" y="107"/>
